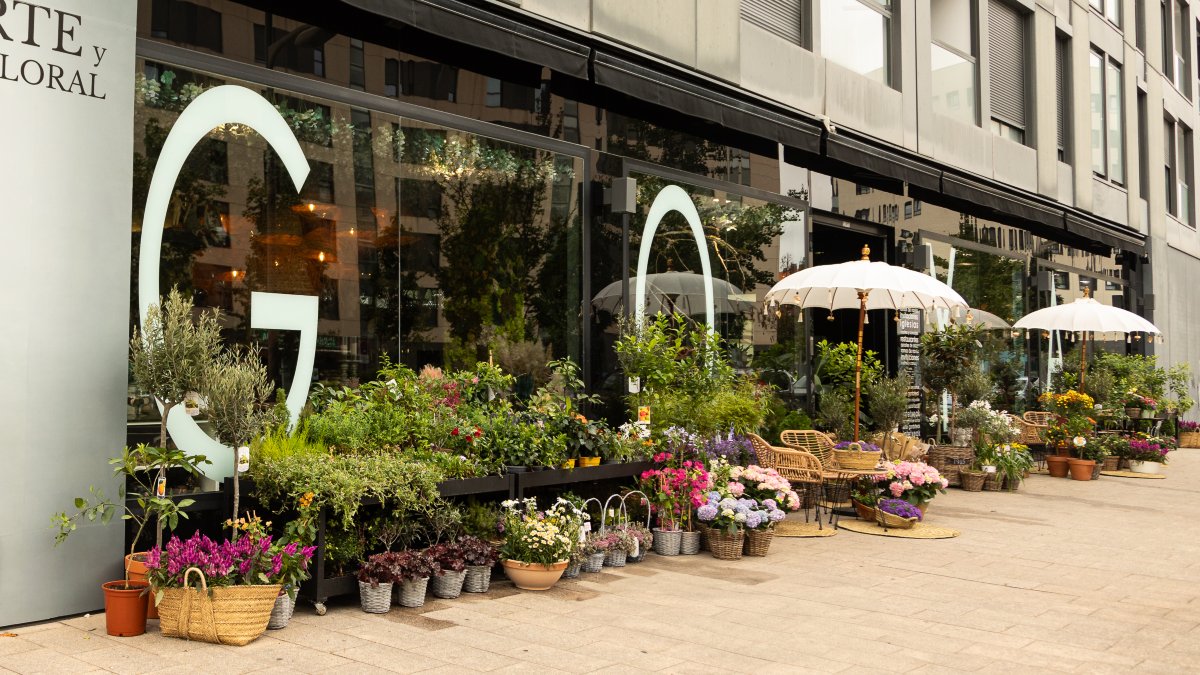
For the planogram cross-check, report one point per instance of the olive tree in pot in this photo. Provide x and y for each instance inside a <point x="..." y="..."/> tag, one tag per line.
<point x="887" y="400"/>
<point x="237" y="389"/>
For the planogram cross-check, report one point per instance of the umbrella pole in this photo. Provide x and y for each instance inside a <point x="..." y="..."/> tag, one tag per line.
<point x="862" y="316"/>
<point x="1083" y="362"/>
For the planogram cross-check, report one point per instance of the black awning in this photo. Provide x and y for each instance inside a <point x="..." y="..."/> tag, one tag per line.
<point x="656" y="87"/>
<point x="460" y="22"/>
<point x="1092" y="228"/>
<point x="881" y="160"/>
<point x="1005" y="205"/>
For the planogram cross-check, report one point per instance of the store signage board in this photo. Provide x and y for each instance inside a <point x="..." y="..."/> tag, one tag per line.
<point x="220" y="106"/>
<point x="909" y="329"/>
<point x="66" y="180"/>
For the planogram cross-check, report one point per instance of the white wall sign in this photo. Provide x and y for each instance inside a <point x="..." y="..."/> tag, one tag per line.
<point x="66" y="181"/>
<point x="227" y="104"/>
<point x="674" y="198"/>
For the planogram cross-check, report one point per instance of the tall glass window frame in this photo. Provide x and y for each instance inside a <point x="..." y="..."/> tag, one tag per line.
<point x="943" y="50"/>
<point x="1108" y="117"/>
<point x="852" y="49"/>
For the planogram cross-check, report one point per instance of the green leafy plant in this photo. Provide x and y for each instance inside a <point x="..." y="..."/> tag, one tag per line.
<point x="135" y="466"/>
<point x="835" y="412"/>
<point x="887" y="400"/>
<point x="836" y="363"/>
<point x="237" y="389"/>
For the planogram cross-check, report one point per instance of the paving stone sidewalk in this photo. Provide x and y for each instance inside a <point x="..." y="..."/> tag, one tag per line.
<point x="1062" y="576"/>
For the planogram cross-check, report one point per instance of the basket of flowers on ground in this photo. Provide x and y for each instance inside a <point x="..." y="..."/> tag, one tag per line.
<point x="1189" y="434"/>
<point x="243" y="575"/>
<point x="914" y="482"/>
<point x="1148" y="455"/>
<point x="897" y="514"/>
<point x="772" y="493"/>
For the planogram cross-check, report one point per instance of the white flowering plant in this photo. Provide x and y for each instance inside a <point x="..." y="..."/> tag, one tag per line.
<point x="535" y="536"/>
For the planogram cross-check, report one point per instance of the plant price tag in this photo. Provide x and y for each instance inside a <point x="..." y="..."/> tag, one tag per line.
<point x="635" y="385"/>
<point x="160" y="487"/>
<point x="243" y="459"/>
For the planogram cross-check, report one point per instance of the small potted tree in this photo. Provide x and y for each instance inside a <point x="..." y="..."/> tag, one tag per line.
<point x="413" y="570"/>
<point x="452" y="570"/>
<point x="375" y="578"/>
<point x="238" y="390"/>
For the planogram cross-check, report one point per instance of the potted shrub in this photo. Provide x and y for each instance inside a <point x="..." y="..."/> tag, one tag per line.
<point x="238" y="391"/>
<point x="538" y="544"/>
<point x="760" y="527"/>
<point x="675" y="488"/>
<point x="643" y="540"/>
<point x="1080" y="467"/>
<point x="452" y="570"/>
<point x="138" y="466"/>
<point x="375" y="579"/>
<point x="1013" y="461"/>
<point x="413" y="570"/>
<point x="726" y="518"/>
<point x="479" y="557"/>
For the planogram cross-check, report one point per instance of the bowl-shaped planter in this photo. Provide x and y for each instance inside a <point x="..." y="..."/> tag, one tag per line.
<point x="534" y="576"/>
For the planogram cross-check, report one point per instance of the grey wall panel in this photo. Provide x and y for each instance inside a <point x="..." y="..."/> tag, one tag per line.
<point x="1109" y="201"/>
<point x="1015" y="164"/>
<point x="65" y="303"/>
<point x="863" y="104"/>
<point x="782" y="71"/>
<point x="664" y="27"/>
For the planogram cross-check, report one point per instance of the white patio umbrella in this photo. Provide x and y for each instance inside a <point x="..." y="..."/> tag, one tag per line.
<point x="677" y="291"/>
<point x="973" y="317"/>
<point x="865" y="285"/>
<point x="1085" y="316"/>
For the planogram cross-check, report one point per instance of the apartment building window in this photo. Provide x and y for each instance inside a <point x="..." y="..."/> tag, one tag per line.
<point x="1062" y="86"/>
<point x="1176" y="45"/>
<point x="1108" y="118"/>
<point x="952" y="59"/>
<point x="857" y="34"/>
<point x="391" y="77"/>
<point x="181" y="21"/>
<point x="784" y="18"/>
<point x="358" y="74"/>
<point x="286" y="50"/>
<point x="1007" y="49"/>
<point x="1139" y="24"/>
<point x="1177" y="152"/>
<point x="1109" y="9"/>
<point x="1143" y="130"/>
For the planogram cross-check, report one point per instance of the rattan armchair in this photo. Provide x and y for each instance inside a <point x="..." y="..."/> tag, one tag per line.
<point x="1031" y="434"/>
<point x="813" y="442"/>
<point x="803" y="470"/>
<point x="1038" y="417"/>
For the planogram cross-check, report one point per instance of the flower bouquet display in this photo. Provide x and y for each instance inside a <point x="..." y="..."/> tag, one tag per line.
<point x="621" y="544"/>
<point x="538" y="544"/>
<point x="595" y="548"/>
<point x="219" y="592"/>
<point x="729" y="518"/>
<point x="643" y="540"/>
<point x="915" y="482"/>
<point x="897" y="513"/>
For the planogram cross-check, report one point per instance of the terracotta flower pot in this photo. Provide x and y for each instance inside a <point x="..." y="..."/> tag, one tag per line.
<point x="534" y="576"/>
<point x="135" y="568"/>
<point x="1057" y="464"/>
<point x="125" y="607"/>
<point x="1081" y="469"/>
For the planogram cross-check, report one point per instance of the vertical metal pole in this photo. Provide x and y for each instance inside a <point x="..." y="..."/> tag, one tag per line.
<point x="862" y="315"/>
<point x="627" y="301"/>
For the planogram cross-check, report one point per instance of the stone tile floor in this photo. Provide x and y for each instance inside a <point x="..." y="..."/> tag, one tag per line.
<point x="1062" y="576"/>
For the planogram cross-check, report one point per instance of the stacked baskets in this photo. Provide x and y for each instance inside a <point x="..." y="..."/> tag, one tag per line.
<point x="950" y="460"/>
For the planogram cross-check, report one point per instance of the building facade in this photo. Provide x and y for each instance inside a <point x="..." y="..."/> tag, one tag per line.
<point x="462" y="153"/>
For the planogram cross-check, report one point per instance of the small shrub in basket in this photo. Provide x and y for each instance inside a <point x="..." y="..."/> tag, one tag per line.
<point x="375" y="578"/>
<point x="452" y="569"/>
<point x="479" y="557"/>
<point x="413" y="570"/>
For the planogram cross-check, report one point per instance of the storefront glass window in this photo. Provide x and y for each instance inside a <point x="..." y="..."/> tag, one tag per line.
<point x="857" y="34"/>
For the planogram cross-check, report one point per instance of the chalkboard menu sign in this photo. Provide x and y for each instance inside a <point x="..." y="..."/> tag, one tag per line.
<point x="909" y="330"/>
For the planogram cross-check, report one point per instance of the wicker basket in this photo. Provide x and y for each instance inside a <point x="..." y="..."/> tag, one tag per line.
<point x="893" y="521"/>
<point x="704" y="530"/>
<point x="860" y="460"/>
<point x="615" y="557"/>
<point x="571" y="572"/>
<point x="972" y="481"/>
<point x="689" y="542"/>
<point x="228" y="615"/>
<point x="758" y="542"/>
<point x="281" y="613"/>
<point x="1189" y="439"/>
<point x="950" y="460"/>
<point x="1014" y="484"/>
<point x="448" y="585"/>
<point x="993" y="482"/>
<point x="478" y="579"/>
<point x="375" y="599"/>
<point x="412" y="592"/>
<point x="593" y="562"/>
<point x="726" y="546"/>
<point x="1111" y="463"/>
<point x="666" y="542"/>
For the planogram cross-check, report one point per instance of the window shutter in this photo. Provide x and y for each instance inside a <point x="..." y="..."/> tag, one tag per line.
<point x="1006" y="49"/>
<point x="781" y="17"/>
<point x="1060" y="69"/>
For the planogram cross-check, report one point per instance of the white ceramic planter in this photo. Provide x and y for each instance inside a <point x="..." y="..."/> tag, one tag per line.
<point x="1145" y="467"/>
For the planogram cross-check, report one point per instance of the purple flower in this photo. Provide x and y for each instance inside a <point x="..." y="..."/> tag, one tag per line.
<point x="899" y="507"/>
<point x="707" y="512"/>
